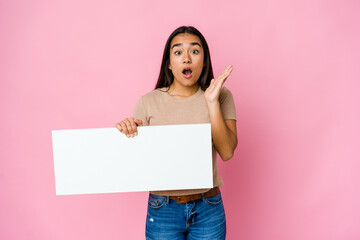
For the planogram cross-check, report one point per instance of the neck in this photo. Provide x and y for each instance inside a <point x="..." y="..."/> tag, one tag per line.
<point x="180" y="91"/>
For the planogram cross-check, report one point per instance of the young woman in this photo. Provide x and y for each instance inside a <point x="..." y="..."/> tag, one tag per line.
<point x="186" y="92"/>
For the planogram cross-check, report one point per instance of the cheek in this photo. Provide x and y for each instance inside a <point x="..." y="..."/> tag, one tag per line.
<point x="200" y="65"/>
<point x="174" y="63"/>
<point x="200" y="60"/>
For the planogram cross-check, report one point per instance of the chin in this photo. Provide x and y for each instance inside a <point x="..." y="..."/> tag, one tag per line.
<point x="190" y="84"/>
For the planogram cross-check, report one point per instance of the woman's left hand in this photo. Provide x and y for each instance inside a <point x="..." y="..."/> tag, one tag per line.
<point x="213" y="91"/>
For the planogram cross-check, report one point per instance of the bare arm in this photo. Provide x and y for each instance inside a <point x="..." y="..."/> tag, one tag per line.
<point x="223" y="131"/>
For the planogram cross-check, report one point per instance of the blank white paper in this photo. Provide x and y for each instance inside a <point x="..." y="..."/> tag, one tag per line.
<point x="103" y="160"/>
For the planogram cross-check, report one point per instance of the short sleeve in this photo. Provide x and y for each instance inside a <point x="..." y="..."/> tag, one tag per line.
<point x="140" y="112"/>
<point x="227" y="104"/>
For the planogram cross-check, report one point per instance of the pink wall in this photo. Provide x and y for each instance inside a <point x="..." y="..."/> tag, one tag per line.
<point x="83" y="64"/>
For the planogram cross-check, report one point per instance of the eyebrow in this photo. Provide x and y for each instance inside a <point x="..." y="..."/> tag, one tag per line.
<point x="192" y="44"/>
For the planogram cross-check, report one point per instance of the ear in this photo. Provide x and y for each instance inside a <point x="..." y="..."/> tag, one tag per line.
<point x="169" y="67"/>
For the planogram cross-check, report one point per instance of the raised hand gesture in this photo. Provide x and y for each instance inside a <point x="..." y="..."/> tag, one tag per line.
<point x="213" y="91"/>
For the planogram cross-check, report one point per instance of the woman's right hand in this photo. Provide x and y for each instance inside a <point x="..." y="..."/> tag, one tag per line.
<point x="128" y="126"/>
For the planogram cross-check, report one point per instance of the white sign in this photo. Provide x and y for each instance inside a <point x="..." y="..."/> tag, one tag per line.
<point x="103" y="160"/>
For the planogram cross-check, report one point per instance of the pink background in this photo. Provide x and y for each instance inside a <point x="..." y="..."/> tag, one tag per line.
<point x="83" y="64"/>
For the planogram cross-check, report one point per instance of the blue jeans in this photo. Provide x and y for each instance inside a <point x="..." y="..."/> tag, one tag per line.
<point x="201" y="219"/>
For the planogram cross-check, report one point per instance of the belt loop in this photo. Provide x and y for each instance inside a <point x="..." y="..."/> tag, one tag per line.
<point x="203" y="197"/>
<point x="167" y="199"/>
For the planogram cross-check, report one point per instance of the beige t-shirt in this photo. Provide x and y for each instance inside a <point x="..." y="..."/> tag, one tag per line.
<point x="158" y="107"/>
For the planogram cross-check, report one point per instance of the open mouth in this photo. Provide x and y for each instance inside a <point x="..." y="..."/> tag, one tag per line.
<point x="187" y="72"/>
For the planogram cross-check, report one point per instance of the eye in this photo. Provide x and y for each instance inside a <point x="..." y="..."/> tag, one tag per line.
<point x="177" y="52"/>
<point x="195" y="51"/>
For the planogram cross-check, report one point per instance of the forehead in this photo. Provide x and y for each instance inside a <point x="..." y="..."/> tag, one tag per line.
<point x="185" y="39"/>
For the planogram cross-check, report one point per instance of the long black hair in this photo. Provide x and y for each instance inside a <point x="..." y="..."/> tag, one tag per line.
<point x="166" y="77"/>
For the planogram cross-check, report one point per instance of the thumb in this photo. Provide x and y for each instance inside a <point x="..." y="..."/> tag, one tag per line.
<point x="138" y="122"/>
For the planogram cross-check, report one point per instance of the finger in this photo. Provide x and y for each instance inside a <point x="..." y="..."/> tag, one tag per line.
<point x="124" y="125"/>
<point x="133" y="126"/>
<point x="227" y="71"/>
<point x="138" y="122"/>
<point x="220" y="81"/>
<point x="118" y="126"/>
<point x="124" y="128"/>
<point x="129" y="128"/>
<point x="229" y="68"/>
<point x="225" y="74"/>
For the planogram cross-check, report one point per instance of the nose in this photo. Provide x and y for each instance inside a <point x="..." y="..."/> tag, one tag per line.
<point x="187" y="58"/>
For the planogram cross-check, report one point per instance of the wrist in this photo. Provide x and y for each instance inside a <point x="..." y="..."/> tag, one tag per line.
<point x="213" y="105"/>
